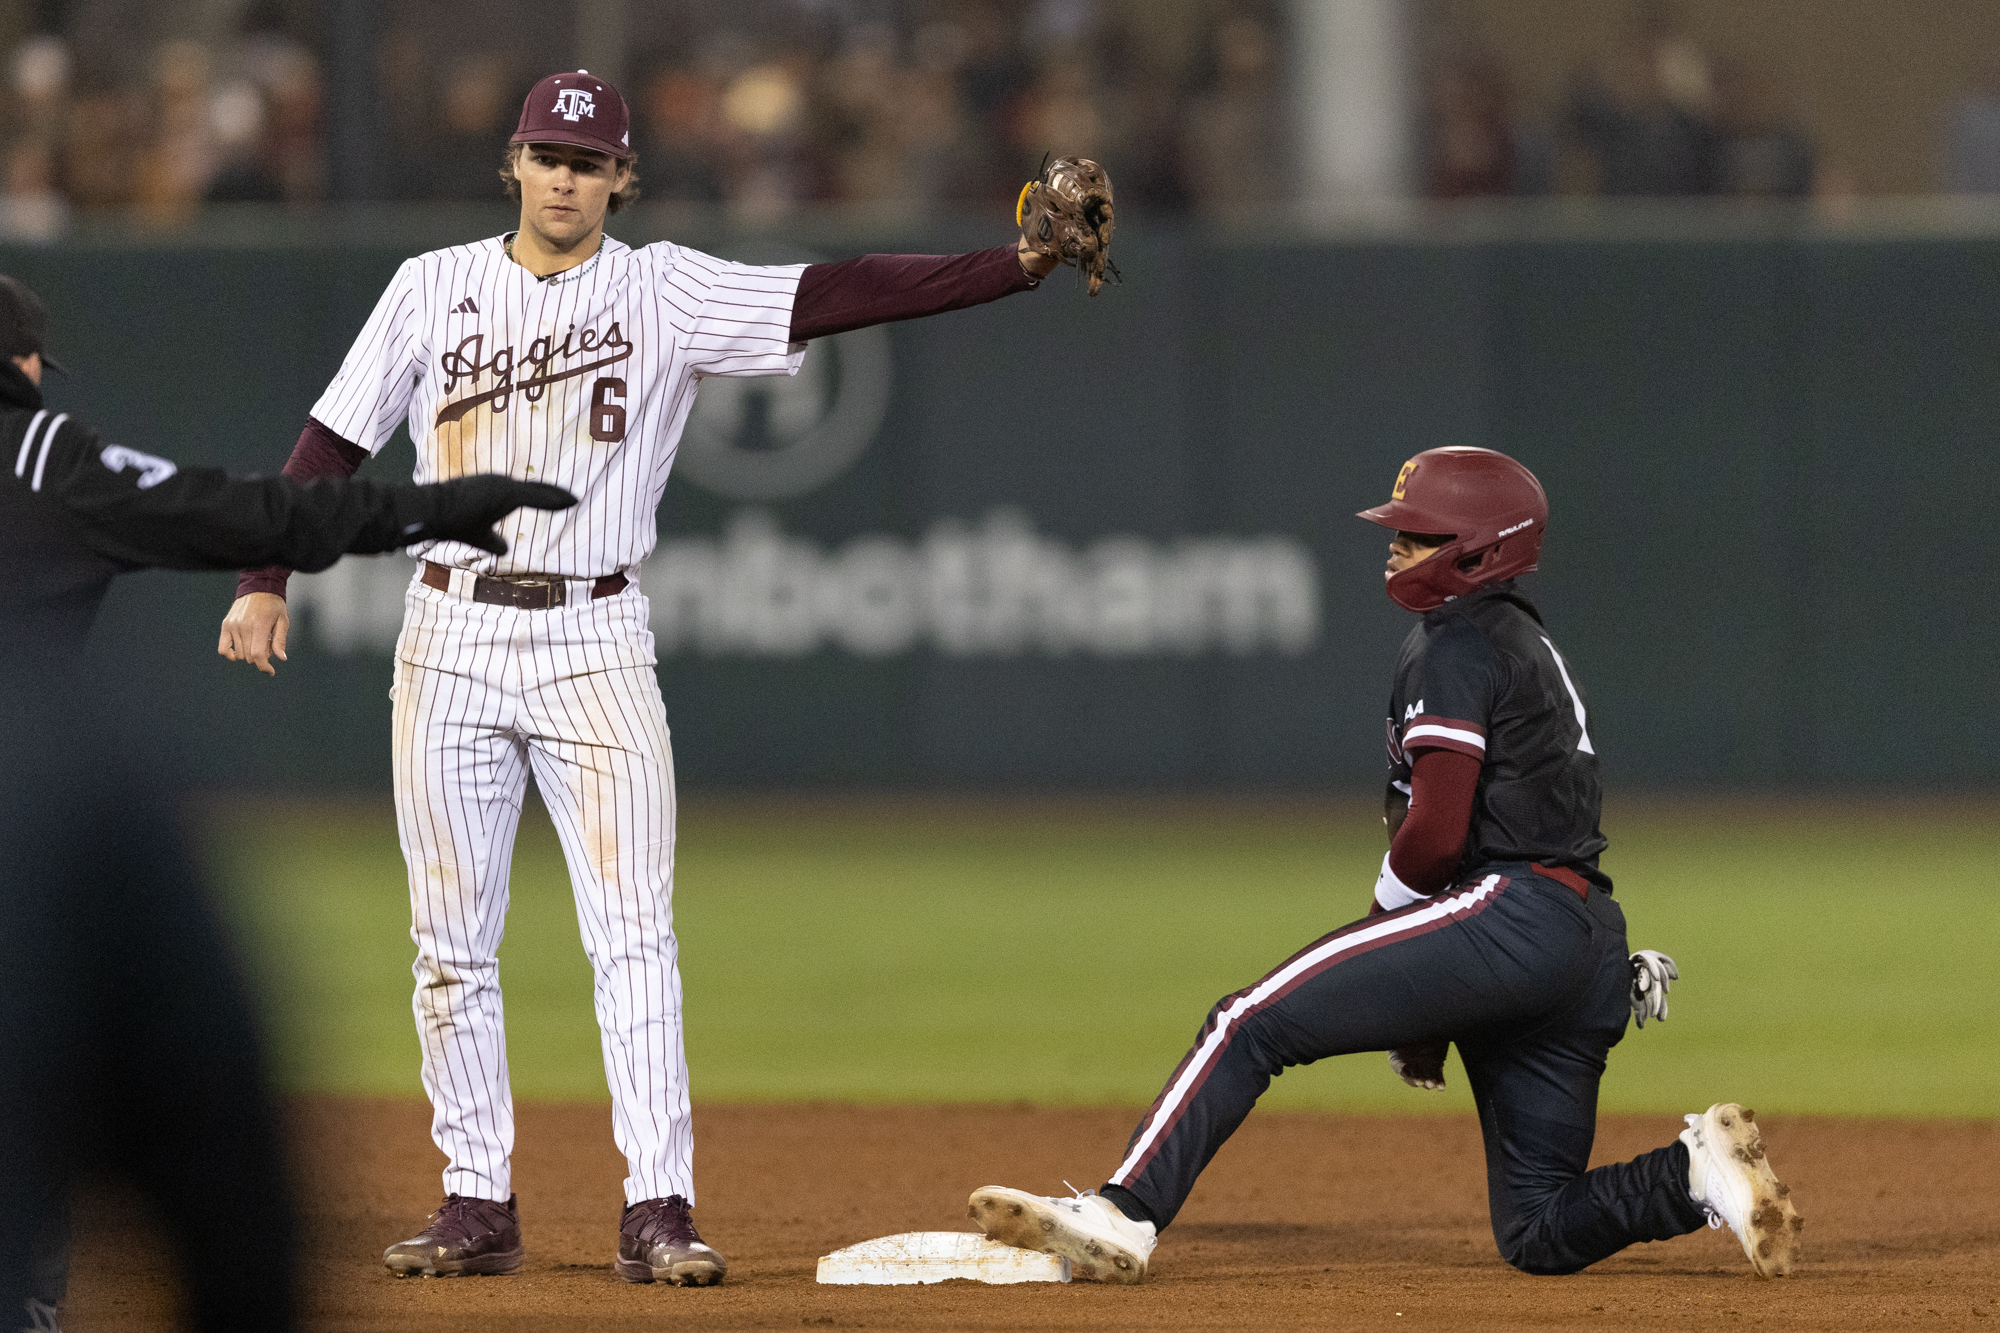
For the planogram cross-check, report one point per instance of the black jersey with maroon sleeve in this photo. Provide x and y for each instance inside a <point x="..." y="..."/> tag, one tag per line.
<point x="1481" y="676"/>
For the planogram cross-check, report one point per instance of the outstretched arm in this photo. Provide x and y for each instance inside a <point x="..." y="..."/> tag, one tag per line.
<point x="347" y="516"/>
<point x="880" y="289"/>
<point x="145" y="512"/>
<point x="1068" y="212"/>
<point x="140" y="511"/>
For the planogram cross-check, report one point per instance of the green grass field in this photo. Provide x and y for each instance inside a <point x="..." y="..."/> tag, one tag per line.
<point x="1835" y="957"/>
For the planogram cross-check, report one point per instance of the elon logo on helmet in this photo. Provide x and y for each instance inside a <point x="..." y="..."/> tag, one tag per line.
<point x="1403" y="479"/>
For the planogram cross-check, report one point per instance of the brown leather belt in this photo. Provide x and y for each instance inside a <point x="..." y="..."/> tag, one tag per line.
<point x="530" y="592"/>
<point x="1566" y="877"/>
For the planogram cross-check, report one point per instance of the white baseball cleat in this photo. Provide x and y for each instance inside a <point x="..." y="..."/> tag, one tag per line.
<point x="1101" y="1243"/>
<point x="1729" y="1176"/>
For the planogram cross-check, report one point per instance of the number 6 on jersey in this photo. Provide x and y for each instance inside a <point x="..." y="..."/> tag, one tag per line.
<point x="607" y="410"/>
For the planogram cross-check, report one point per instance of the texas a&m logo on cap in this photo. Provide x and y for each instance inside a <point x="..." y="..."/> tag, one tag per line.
<point x="576" y="107"/>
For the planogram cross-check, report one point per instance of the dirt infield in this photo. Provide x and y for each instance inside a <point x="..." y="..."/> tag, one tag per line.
<point x="1304" y="1221"/>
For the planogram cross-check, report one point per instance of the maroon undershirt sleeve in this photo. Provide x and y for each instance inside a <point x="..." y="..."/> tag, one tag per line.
<point x="878" y="289"/>
<point x="319" y="453"/>
<point x="1427" y="849"/>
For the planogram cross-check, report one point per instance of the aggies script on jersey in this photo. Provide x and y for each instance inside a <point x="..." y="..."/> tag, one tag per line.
<point x="582" y="381"/>
<point x="534" y="366"/>
<point x="1480" y="676"/>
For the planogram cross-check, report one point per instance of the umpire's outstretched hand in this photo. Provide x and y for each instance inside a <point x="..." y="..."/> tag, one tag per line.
<point x="467" y="508"/>
<point x="464" y="509"/>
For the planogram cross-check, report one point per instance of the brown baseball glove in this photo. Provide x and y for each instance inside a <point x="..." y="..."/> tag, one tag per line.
<point x="1067" y="214"/>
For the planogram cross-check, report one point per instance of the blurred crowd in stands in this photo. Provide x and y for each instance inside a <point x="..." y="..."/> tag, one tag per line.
<point x="766" y="106"/>
<point x="96" y="129"/>
<point x="1658" y="115"/>
<point x="760" y="106"/>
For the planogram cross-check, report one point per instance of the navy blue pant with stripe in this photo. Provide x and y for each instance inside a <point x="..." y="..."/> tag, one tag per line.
<point x="1528" y="977"/>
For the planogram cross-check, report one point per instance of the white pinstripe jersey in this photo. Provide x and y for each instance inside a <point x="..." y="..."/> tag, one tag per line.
<point x="583" y="381"/>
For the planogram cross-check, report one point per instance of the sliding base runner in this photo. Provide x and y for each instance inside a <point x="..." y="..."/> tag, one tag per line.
<point x="1492" y="927"/>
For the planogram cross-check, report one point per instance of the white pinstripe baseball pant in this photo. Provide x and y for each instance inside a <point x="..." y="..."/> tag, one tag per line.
<point x="483" y="695"/>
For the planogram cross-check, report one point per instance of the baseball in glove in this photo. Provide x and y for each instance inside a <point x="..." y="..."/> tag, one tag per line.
<point x="1067" y="215"/>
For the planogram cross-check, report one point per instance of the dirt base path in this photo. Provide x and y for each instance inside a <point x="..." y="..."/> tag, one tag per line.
<point x="1304" y="1221"/>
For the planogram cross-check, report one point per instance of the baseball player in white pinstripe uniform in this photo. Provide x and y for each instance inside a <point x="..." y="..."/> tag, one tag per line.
<point x="560" y="355"/>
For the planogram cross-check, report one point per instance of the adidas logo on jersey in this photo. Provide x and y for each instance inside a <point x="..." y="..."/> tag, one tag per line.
<point x="465" y="307"/>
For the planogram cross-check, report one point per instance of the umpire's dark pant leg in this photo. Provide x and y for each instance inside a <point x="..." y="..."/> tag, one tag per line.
<point x="1537" y="1097"/>
<point x="128" y="1044"/>
<point x="1486" y="953"/>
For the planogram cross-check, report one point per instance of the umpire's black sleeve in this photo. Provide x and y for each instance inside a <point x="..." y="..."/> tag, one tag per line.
<point x="142" y="511"/>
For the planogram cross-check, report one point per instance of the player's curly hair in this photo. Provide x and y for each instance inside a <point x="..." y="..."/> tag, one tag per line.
<point x="628" y="195"/>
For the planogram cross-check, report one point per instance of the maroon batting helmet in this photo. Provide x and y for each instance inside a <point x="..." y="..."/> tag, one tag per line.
<point x="1491" y="507"/>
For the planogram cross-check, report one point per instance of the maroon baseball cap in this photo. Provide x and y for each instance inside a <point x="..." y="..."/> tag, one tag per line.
<point x="577" y="108"/>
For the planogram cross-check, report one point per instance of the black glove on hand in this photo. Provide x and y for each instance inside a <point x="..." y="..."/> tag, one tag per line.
<point x="466" y="508"/>
<point x="1421" y="1066"/>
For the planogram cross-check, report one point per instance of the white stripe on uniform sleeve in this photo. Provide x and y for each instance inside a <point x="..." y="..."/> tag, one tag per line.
<point x="27" y="443"/>
<point x="48" y="438"/>
<point x="1432" y="729"/>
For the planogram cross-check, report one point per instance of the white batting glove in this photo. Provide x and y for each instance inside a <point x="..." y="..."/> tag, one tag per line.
<point x="1391" y="892"/>
<point x="1652" y="973"/>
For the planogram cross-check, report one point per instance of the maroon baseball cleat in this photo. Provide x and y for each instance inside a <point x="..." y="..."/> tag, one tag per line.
<point x="657" y="1242"/>
<point x="465" y="1238"/>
